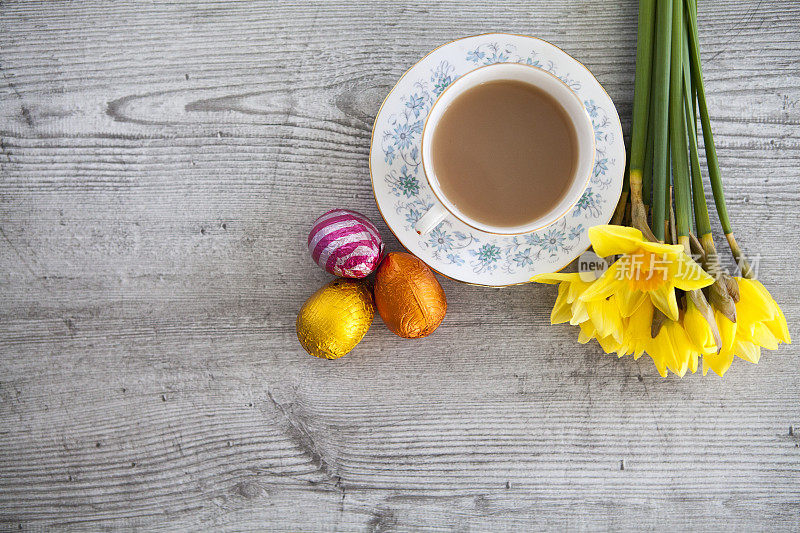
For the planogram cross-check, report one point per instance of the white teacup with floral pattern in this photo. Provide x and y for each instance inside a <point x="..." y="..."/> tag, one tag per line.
<point x="544" y="81"/>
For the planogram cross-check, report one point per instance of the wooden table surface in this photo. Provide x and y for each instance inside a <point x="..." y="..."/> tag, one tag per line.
<point x="161" y="165"/>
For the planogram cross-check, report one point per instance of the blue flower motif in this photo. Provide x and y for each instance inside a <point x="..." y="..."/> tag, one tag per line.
<point x="440" y="240"/>
<point x="523" y="258"/>
<point x="407" y="183"/>
<point x="600" y="167"/>
<point x="532" y="62"/>
<point x="415" y="104"/>
<point x="598" y="133"/>
<point x="441" y="77"/>
<point x="488" y="253"/>
<point x="502" y="57"/>
<point x="589" y="202"/>
<point x="575" y="232"/>
<point x="413" y="216"/>
<point x="488" y="256"/>
<point x="475" y="55"/>
<point x="552" y="240"/>
<point x="390" y="154"/>
<point x="403" y="136"/>
<point x="414" y="153"/>
<point x="591" y="108"/>
<point x="441" y="83"/>
<point x="455" y="259"/>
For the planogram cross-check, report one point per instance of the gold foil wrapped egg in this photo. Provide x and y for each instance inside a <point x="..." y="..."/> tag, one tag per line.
<point x="408" y="296"/>
<point x="335" y="318"/>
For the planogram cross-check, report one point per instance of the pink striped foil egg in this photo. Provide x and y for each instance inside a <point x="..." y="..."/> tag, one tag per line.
<point x="345" y="243"/>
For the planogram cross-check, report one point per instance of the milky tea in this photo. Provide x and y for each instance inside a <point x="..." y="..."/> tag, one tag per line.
<point x="505" y="153"/>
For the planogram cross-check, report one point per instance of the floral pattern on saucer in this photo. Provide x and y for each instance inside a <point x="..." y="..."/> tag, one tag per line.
<point x="452" y="248"/>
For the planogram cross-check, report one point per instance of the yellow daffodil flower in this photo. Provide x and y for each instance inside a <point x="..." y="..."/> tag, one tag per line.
<point x="618" y="308"/>
<point x="646" y="269"/>
<point x="672" y="349"/>
<point x="764" y="321"/>
<point x="698" y="329"/>
<point x="637" y="331"/>
<point x="567" y="307"/>
<point x="598" y="319"/>
<point x="760" y="323"/>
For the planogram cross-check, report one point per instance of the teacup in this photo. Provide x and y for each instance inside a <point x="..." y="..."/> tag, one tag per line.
<point x="544" y="81"/>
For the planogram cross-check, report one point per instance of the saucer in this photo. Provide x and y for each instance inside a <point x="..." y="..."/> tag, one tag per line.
<point x="454" y="249"/>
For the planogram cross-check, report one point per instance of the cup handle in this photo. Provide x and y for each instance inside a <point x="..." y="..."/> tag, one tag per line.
<point x="430" y="220"/>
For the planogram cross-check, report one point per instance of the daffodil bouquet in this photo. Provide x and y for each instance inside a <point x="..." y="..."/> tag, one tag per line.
<point x="665" y="292"/>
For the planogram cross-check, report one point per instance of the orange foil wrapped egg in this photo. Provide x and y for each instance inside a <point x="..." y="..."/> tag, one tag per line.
<point x="335" y="318"/>
<point x="408" y="296"/>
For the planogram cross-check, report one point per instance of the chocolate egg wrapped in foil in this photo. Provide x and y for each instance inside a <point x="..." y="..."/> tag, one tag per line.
<point x="408" y="296"/>
<point x="345" y="243"/>
<point x="335" y="318"/>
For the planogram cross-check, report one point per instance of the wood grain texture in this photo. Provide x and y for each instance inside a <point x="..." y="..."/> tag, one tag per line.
<point x="160" y="165"/>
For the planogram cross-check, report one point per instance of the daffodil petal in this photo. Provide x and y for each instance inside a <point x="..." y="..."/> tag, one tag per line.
<point x="690" y="275"/>
<point x="668" y="251"/>
<point x="685" y="354"/>
<point x="664" y="299"/>
<point x="587" y="332"/>
<point x="606" y="285"/>
<point x="629" y="301"/>
<point x="673" y="359"/>
<point x="727" y="331"/>
<point x="556" y="277"/>
<point x="611" y="309"/>
<point x="608" y="343"/>
<point x="747" y="351"/>
<point x="612" y="240"/>
<point x="576" y="288"/>
<point x="698" y="329"/>
<point x="605" y="318"/>
<point x="754" y="305"/>
<point x="766" y="296"/>
<point x="661" y="365"/>
<point x="579" y="314"/>
<point x="763" y="337"/>
<point x="719" y="363"/>
<point x="562" y="311"/>
<point x="779" y="328"/>
<point x="639" y="322"/>
<point x="662" y="352"/>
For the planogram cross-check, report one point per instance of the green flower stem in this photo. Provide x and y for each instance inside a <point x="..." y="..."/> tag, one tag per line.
<point x="724" y="293"/>
<point x="668" y="194"/>
<point x="708" y="141"/>
<point x="641" y="93"/>
<point x="701" y="219"/>
<point x="677" y="129"/>
<point x="641" y="98"/>
<point x="660" y="93"/>
<point x="708" y="136"/>
<point x="741" y="259"/>
<point x="647" y="174"/>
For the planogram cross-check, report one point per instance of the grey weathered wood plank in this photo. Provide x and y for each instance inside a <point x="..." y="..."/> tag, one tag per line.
<point x="159" y="167"/>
